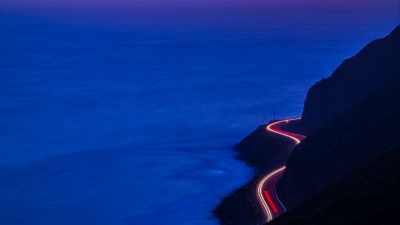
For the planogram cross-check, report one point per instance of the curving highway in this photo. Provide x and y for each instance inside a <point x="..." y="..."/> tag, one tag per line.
<point x="266" y="192"/>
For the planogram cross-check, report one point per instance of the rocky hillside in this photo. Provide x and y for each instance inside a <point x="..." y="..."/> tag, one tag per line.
<point x="356" y="113"/>
<point x="350" y="118"/>
<point x="366" y="130"/>
<point x="367" y="195"/>
<point x="372" y="68"/>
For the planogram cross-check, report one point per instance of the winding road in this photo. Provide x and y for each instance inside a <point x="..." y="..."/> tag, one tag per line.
<point x="266" y="192"/>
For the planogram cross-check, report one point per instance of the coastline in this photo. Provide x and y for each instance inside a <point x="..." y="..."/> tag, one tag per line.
<point x="262" y="151"/>
<point x="337" y="144"/>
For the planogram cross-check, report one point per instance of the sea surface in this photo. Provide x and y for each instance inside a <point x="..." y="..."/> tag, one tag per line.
<point x="132" y="122"/>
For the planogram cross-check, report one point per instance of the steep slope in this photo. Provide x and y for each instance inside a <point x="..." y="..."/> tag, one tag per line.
<point x="374" y="66"/>
<point x="367" y="195"/>
<point x="360" y="127"/>
<point x="366" y="130"/>
<point x="349" y="119"/>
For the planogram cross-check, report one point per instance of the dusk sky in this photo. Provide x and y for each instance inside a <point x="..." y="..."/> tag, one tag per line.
<point x="204" y="5"/>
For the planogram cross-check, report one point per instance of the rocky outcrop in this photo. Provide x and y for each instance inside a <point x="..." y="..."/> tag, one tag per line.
<point x="367" y="195"/>
<point x="373" y="67"/>
<point x="366" y="130"/>
<point x="352" y="116"/>
<point x="263" y="151"/>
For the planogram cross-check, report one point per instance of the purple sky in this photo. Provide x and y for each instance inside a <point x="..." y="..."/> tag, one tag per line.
<point x="213" y="5"/>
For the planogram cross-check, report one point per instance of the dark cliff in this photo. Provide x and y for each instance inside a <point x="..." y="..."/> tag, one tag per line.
<point x="367" y="195"/>
<point x="366" y="130"/>
<point x="373" y="67"/>
<point x="350" y="118"/>
<point x="358" y="121"/>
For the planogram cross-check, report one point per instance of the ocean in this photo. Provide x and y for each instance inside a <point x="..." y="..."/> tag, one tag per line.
<point x="133" y="122"/>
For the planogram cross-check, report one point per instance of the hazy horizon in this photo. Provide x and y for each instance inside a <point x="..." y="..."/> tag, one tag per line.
<point x="201" y="7"/>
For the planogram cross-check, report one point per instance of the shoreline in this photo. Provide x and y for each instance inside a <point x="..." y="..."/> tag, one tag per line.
<point x="338" y="152"/>
<point x="262" y="151"/>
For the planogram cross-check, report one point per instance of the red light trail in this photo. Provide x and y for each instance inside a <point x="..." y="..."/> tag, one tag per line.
<point x="271" y="203"/>
<point x="267" y="183"/>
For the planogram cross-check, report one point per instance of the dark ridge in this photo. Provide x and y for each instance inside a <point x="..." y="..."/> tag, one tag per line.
<point x="373" y="67"/>
<point x="367" y="195"/>
<point x="349" y="118"/>
<point x="365" y="129"/>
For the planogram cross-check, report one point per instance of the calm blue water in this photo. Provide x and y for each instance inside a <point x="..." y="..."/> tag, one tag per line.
<point x="132" y="123"/>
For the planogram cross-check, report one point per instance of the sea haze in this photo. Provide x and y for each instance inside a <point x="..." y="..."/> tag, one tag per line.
<point x="132" y="122"/>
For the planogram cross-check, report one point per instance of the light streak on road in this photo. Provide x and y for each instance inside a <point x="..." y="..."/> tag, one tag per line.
<point x="260" y="196"/>
<point x="270" y="202"/>
<point x="292" y="136"/>
<point x="267" y="183"/>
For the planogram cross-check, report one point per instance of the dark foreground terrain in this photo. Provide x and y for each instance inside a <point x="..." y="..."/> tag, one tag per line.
<point x="368" y="195"/>
<point x="346" y="170"/>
